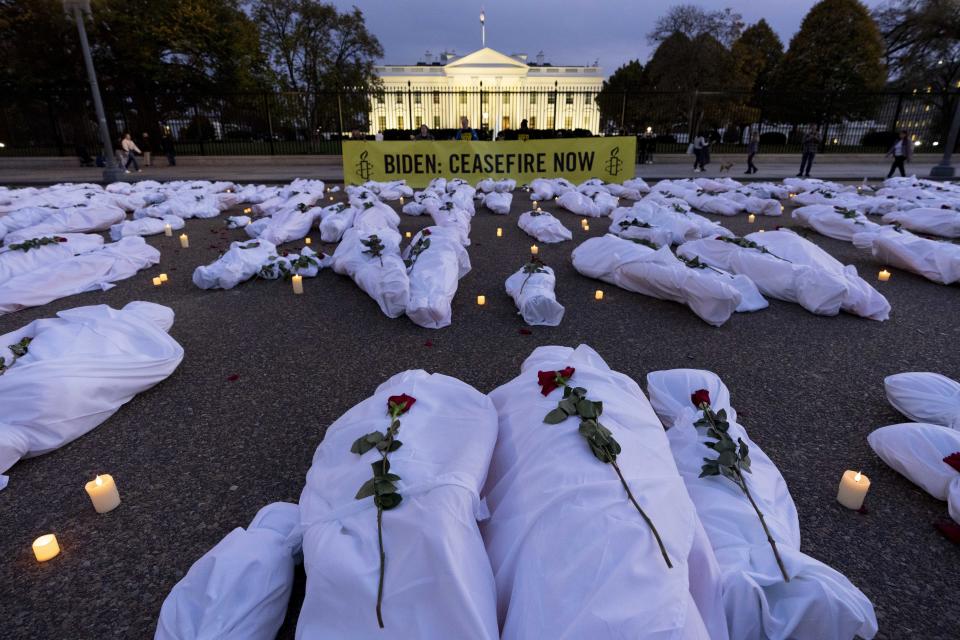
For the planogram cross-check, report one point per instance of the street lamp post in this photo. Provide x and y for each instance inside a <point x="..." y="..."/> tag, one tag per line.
<point x="945" y="169"/>
<point x="78" y="9"/>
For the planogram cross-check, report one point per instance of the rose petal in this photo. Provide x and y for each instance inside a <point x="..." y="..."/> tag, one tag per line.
<point x="428" y="343"/>
<point x="233" y="377"/>
<point x="525" y="332"/>
<point x="949" y="529"/>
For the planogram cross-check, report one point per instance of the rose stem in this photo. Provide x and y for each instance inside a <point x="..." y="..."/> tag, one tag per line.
<point x="773" y="543"/>
<point x="649" y="522"/>
<point x="383" y="559"/>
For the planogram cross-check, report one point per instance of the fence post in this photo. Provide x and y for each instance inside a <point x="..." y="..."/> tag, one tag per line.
<point x="196" y="115"/>
<point x="623" y="111"/>
<point x="266" y="106"/>
<point x="556" y="100"/>
<point x="409" y="106"/>
<point x="896" y="114"/>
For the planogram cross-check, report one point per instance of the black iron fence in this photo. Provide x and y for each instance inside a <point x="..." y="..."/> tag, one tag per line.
<point x="62" y="123"/>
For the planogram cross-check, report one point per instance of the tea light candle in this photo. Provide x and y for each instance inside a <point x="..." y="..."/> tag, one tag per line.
<point x="761" y="230"/>
<point x="539" y="210"/>
<point x="163" y="277"/>
<point x="499" y="232"/>
<point x="298" y="284"/>
<point x="184" y="241"/>
<point x="884" y="275"/>
<point x="481" y="300"/>
<point x="583" y="222"/>
<point x="598" y="294"/>
<point x="247" y="210"/>
<point x="307" y="241"/>
<point x="103" y="493"/>
<point x="534" y="204"/>
<point x="168" y="230"/>
<point x="157" y="281"/>
<point x="534" y="249"/>
<point x="408" y="235"/>
<point x="586" y="227"/>
<point x="401" y="200"/>
<point x="853" y="489"/>
<point x="751" y="218"/>
<point x="46" y="547"/>
<point x="331" y="198"/>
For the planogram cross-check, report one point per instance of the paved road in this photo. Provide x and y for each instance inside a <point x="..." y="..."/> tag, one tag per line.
<point x="200" y="453"/>
<point x="21" y="171"/>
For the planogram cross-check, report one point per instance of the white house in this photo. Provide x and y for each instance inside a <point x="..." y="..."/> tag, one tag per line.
<point x="493" y="89"/>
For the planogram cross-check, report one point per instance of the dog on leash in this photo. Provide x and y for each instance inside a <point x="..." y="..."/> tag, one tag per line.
<point x="726" y="166"/>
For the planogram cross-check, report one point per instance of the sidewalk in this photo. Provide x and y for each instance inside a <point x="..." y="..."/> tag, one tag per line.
<point x="273" y="169"/>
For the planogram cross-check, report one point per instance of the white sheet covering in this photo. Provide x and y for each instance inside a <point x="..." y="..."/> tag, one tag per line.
<point x="933" y="259"/>
<point x="86" y="272"/>
<point x="241" y="262"/>
<point x="73" y="220"/>
<point x="333" y="226"/>
<point x="437" y="582"/>
<point x="916" y="450"/>
<point x="925" y="397"/>
<point x="571" y="555"/>
<point x="834" y="222"/>
<point x="79" y="369"/>
<point x="145" y="227"/>
<point x="935" y="221"/>
<point x="659" y="274"/>
<point x="14" y="262"/>
<point x="498" y="202"/>
<point x="818" y="602"/>
<point x="383" y="278"/>
<point x="434" y="276"/>
<point x="535" y="296"/>
<point x="241" y="587"/>
<point x="544" y="227"/>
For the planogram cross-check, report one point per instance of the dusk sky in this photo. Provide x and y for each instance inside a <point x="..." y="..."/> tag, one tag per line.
<point x="570" y="32"/>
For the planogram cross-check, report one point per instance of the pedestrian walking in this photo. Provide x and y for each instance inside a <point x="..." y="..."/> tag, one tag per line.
<point x="902" y="152"/>
<point x="146" y="148"/>
<point x="131" y="149"/>
<point x="166" y="144"/>
<point x="701" y="153"/>
<point x="811" y="142"/>
<point x="753" y="147"/>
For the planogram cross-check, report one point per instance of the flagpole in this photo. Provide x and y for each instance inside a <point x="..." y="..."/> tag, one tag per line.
<point x="483" y="28"/>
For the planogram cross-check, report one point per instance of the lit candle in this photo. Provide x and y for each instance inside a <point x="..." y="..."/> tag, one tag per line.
<point x="298" y="284"/>
<point x="884" y="275"/>
<point x="539" y="210"/>
<point x="331" y="198"/>
<point x="167" y="230"/>
<point x="408" y="235"/>
<point x="307" y="241"/>
<point x="761" y="230"/>
<point x="46" y="547"/>
<point x="163" y="277"/>
<point x="583" y="222"/>
<point x="401" y="200"/>
<point x="853" y="489"/>
<point x="598" y="294"/>
<point x="586" y="227"/>
<point x="534" y="249"/>
<point x="157" y="281"/>
<point x="499" y="232"/>
<point x="481" y="300"/>
<point x="751" y="218"/>
<point x="247" y="210"/>
<point x="103" y="493"/>
<point x="534" y="204"/>
<point x="184" y="241"/>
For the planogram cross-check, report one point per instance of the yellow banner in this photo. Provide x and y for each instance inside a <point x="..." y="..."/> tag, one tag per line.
<point x="611" y="159"/>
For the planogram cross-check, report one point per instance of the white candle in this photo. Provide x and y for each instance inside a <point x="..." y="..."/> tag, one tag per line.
<point x="761" y="230"/>
<point x="247" y="210"/>
<point x="167" y="230"/>
<point x="534" y="204"/>
<point x="583" y="222"/>
<point x="586" y="227"/>
<point x="46" y="547"/>
<point x="298" y="284"/>
<point x="853" y="489"/>
<point x="163" y="277"/>
<point x="184" y="241"/>
<point x="751" y="218"/>
<point x="156" y="281"/>
<point x="534" y="249"/>
<point x="884" y="275"/>
<point x="598" y="294"/>
<point x="499" y="232"/>
<point x="408" y="235"/>
<point x="481" y="300"/>
<point x="307" y="241"/>
<point x="401" y="200"/>
<point x="331" y="198"/>
<point x="103" y="493"/>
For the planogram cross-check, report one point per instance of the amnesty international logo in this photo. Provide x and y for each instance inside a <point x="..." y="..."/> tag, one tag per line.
<point x="364" y="168"/>
<point x="614" y="164"/>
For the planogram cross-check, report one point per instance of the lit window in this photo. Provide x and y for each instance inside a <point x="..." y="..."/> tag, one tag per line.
<point x="549" y="122"/>
<point x="569" y="98"/>
<point x="568" y="122"/>
<point x="463" y="97"/>
<point x="399" y="122"/>
<point x="382" y="122"/>
<point x="416" y="97"/>
<point x="436" y="122"/>
<point x="436" y="97"/>
<point x="399" y="97"/>
<point x="533" y="122"/>
<point x="552" y="98"/>
<point x="533" y="96"/>
<point x="418" y="121"/>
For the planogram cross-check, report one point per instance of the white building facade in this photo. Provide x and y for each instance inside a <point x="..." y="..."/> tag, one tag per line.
<point x="494" y="90"/>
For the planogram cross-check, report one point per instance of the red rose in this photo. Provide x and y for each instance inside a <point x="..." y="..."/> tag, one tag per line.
<point x="700" y="397"/>
<point x="285" y="254"/>
<point x="953" y="460"/>
<point x="426" y="232"/>
<point x="61" y="239"/>
<point x="399" y="405"/>
<point x="550" y="380"/>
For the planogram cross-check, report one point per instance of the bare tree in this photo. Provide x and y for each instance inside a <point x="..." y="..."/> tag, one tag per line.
<point x="692" y="21"/>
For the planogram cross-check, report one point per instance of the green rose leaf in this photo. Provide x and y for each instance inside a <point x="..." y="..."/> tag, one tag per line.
<point x="555" y="417"/>
<point x="366" y="490"/>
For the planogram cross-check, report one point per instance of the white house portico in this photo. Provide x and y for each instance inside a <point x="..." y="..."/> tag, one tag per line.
<point x="493" y="89"/>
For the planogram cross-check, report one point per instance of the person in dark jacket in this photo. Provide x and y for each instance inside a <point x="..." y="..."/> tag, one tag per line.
<point x="752" y="148"/>
<point x="146" y="148"/>
<point x="466" y="132"/>
<point x="166" y="143"/>
<point x="902" y="152"/>
<point x="811" y="142"/>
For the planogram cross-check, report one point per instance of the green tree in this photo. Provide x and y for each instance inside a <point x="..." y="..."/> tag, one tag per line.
<point x="922" y="39"/>
<point x="756" y="53"/>
<point x="315" y="49"/>
<point x="835" y="61"/>
<point x="620" y="96"/>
